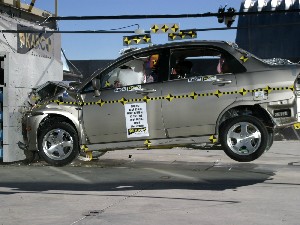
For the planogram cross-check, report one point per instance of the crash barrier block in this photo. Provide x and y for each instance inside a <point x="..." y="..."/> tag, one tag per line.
<point x="1" y="144"/>
<point x="15" y="96"/>
<point x="1" y="152"/>
<point x="12" y="115"/>
<point x="33" y="67"/>
<point x="1" y="123"/>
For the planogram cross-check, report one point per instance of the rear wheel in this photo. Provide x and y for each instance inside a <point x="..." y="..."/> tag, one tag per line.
<point x="244" y="138"/>
<point x="58" y="143"/>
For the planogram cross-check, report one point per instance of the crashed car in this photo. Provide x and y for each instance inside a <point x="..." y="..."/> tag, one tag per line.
<point x="176" y="94"/>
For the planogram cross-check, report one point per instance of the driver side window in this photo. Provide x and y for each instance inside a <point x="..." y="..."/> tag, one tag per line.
<point x="139" y="70"/>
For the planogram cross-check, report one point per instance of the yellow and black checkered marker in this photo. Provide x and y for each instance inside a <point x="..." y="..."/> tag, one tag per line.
<point x="107" y="84"/>
<point x="136" y="39"/>
<point x="184" y="34"/>
<point x="213" y="139"/>
<point x="147" y="143"/>
<point x="164" y="28"/>
<point x="89" y="154"/>
<point x="244" y="59"/>
<point x="297" y="126"/>
<point x="243" y="91"/>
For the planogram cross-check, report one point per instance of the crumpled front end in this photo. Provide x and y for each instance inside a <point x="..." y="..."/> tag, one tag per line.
<point x="51" y="99"/>
<point x="30" y="124"/>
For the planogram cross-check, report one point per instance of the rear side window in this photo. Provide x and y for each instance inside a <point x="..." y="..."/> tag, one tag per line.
<point x="202" y="61"/>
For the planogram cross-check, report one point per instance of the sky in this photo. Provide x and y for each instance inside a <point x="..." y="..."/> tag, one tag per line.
<point x="107" y="46"/>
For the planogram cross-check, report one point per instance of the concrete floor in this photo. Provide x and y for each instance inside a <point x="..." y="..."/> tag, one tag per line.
<point x="174" y="186"/>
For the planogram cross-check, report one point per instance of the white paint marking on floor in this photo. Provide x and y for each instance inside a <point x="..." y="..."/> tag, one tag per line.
<point x="173" y="174"/>
<point x="73" y="176"/>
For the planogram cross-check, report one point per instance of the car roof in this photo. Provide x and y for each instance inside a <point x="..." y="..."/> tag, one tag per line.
<point x="177" y="44"/>
<point x="135" y="51"/>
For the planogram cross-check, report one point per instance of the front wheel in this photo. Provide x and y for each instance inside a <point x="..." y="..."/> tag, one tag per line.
<point x="58" y="143"/>
<point x="244" y="138"/>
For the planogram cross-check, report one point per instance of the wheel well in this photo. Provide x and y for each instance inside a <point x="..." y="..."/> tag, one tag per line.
<point x="60" y="118"/>
<point x="248" y="110"/>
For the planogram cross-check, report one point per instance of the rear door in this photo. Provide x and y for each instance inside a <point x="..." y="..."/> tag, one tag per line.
<point x="192" y="103"/>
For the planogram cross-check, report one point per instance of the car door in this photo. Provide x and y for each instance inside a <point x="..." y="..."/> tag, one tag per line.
<point x="192" y="103"/>
<point x="123" y="113"/>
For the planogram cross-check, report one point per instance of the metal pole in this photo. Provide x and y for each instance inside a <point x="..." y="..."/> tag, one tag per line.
<point x="56" y="8"/>
<point x="31" y="5"/>
<point x="18" y="4"/>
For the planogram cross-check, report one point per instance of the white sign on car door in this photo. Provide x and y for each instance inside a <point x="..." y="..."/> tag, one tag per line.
<point x="136" y="120"/>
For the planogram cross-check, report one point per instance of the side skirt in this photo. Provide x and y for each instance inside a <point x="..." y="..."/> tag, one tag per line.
<point x="161" y="143"/>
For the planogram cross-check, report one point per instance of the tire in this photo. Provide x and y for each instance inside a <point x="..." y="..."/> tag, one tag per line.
<point x="270" y="140"/>
<point x="58" y="143"/>
<point x="244" y="138"/>
<point x="31" y="157"/>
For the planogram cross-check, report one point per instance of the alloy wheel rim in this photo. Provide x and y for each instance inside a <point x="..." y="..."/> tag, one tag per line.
<point x="58" y="144"/>
<point x="244" y="138"/>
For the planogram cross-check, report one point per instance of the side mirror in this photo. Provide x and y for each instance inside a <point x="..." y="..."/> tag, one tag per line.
<point x="96" y="87"/>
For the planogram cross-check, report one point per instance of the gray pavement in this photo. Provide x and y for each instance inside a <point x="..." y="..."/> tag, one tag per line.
<point x="167" y="186"/>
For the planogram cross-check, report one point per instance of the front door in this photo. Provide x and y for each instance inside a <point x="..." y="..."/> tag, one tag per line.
<point x="129" y="105"/>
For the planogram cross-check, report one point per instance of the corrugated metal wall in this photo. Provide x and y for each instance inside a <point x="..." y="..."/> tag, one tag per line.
<point x="280" y="37"/>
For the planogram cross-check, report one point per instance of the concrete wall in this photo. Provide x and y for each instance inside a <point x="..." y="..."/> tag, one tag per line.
<point x="27" y="60"/>
<point x="35" y="44"/>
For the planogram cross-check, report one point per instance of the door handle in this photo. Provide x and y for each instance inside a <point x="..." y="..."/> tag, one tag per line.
<point x="222" y="82"/>
<point x="145" y="91"/>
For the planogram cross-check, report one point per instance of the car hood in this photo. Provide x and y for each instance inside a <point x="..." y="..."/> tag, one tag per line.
<point x="50" y="90"/>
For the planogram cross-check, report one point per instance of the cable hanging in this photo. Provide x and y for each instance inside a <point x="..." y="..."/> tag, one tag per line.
<point x="114" y="31"/>
<point x="208" y="14"/>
